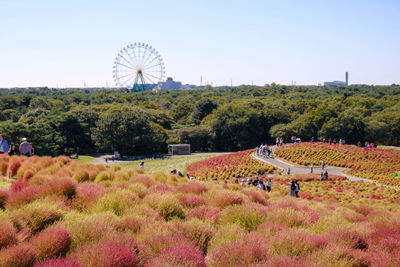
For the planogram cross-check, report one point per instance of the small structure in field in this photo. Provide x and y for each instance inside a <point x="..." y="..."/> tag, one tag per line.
<point x="179" y="149"/>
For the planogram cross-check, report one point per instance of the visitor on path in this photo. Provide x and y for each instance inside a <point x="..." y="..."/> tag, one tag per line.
<point x="13" y="150"/>
<point x="297" y="189"/>
<point x="256" y="181"/>
<point x="277" y="142"/>
<point x="261" y="185"/>
<point x="249" y="182"/>
<point x="243" y="183"/>
<point x="32" y="149"/>
<point x="269" y="185"/>
<point x="280" y="141"/>
<point x="293" y="189"/>
<point x="326" y="175"/>
<point x="25" y="148"/>
<point x="323" y="164"/>
<point x="4" y="147"/>
<point x="142" y="165"/>
<point x="288" y="171"/>
<point x="269" y="152"/>
<point x="322" y="176"/>
<point x="330" y="141"/>
<point x="311" y="169"/>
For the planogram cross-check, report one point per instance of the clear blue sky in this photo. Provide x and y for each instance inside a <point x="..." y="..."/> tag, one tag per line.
<point x="64" y="43"/>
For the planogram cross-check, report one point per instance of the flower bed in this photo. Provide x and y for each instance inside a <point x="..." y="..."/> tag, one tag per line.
<point x="375" y="164"/>
<point x="228" y="166"/>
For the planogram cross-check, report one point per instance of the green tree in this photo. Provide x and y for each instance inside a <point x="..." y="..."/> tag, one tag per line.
<point x="202" y="109"/>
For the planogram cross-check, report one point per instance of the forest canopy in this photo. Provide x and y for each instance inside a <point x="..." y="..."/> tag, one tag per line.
<point x="210" y="119"/>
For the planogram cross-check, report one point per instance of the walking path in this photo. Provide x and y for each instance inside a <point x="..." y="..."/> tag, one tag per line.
<point x="295" y="169"/>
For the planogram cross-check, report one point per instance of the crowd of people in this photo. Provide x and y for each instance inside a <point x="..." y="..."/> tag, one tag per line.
<point x="25" y="148"/>
<point x="264" y="150"/>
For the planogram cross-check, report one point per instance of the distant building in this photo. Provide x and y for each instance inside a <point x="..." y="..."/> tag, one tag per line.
<point x="169" y="84"/>
<point x="340" y="83"/>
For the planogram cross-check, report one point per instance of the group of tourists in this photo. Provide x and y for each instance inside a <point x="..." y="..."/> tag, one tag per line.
<point x="25" y="148"/>
<point x="279" y="141"/>
<point x="334" y="141"/>
<point x="294" y="188"/>
<point x="264" y="150"/>
<point x="366" y="144"/>
<point x="257" y="182"/>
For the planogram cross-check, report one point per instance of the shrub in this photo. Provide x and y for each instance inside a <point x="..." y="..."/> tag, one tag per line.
<point x="3" y="198"/>
<point x="117" y="202"/>
<point x="191" y="201"/>
<point x="223" y="198"/>
<point x="7" y="234"/>
<point x="338" y="255"/>
<point x="145" y="180"/>
<point x="139" y="189"/>
<point x="204" y="213"/>
<point x="24" y="196"/>
<point x="18" y="185"/>
<point x="197" y="231"/>
<point x="193" y="187"/>
<point x="104" y="176"/>
<point x="60" y="262"/>
<point x="347" y="238"/>
<point x="18" y="255"/>
<point x="36" y="216"/>
<point x="50" y="243"/>
<point x="81" y="176"/>
<point x="28" y="174"/>
<point x="255" y="196"/>
<point x="108" y="253"/>
<point x="295" y="243"/>
<point x="227" y="234"/>
<point x="131" y="224"/>
<point x="3" y="167"/>
<point x="167" y="205"/>
<point x="61" y="186"/>
<point x="248" y="216"/>
<point x="86" y="195"/>
<point x="178" y="256"/>
<point x="143" y="211"/>
<point x="13" y="167"/>
<point x="161" y="189"/>
<point x="247" y="252"/>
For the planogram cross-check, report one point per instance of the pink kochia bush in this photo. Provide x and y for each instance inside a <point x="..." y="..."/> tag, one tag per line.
<point x="191" y="201"/>
<point x="60" y="262"/>
<point x="52" y="242"/>
<point x="204" y="213"/>
<point x="178" y="256"/>
<point x="108" y="253"/>
<point x="13" y="167"/>
<point x="193" y="187"/>
<point x="19" y="255"/>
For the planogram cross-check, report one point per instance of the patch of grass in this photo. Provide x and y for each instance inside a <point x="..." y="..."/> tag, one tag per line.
<point x="169" y="164"/>
<point x="87" y="159"/>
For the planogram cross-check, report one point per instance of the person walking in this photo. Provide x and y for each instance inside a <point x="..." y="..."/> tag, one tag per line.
<point x="311" y="169"/>
<point x="25" y="148"/>
<point x="4" y="147"/>
<point x="261" y="185"/>
<point x="269" y="185"/>
<point x="323" y="164"/>
<point x="322" y="176"/>
<point x="288" y="171"/>
<point x="142" y="165"/>
<point x="326" y="175"/>
<point x="293" y="189"/>
<point x="297" y="189"/>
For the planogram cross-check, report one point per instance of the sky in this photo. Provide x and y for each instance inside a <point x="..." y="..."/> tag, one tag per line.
<point x="73" y="43"/>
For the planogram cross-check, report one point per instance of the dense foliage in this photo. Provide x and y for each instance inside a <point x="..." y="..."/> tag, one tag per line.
<point x="381" y="165"/>
<point x="64" y="213"/>
<point x="223" y="119"/>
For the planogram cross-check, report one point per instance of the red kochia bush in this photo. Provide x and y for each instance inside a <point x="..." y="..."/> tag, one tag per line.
<point x="13" y="167"/>
<point x="61" y="262"/>
<point x="52" y="242"/>
<point x="18" y="185"/>
<point x="26" y="195"/>
<point x="255" y="196"/>
<point x="193" y="187"/>
<point x="145" y="180"/>
<point x="19" y="255"/>
<point x="7" y="234"/>
<point x="191" y="201"/>
<point x="178" y="256"/>
<point x="107" y="254"/>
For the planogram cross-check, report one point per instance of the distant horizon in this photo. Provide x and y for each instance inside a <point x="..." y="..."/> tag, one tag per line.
<point x="69" y="44"/>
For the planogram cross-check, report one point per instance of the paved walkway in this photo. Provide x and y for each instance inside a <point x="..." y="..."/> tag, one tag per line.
<point x="295" y="169"/>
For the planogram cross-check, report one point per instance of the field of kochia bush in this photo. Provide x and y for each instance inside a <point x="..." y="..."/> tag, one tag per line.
<point x="379" y="165"/>
<point x="229" y="166"/>
<point x="64" y="213"/>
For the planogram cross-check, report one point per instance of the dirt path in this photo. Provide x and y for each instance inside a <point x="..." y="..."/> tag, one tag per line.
<point x="295" y="169"/>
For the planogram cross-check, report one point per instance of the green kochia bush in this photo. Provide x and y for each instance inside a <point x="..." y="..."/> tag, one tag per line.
<point x="36" y="216"/>
<point x="117" y="202"/>
<point x="248" y="216"/>
<point x="167" y="205"/>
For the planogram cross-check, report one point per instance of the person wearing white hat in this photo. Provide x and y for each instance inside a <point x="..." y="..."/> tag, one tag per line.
<point x="25" y="147"/>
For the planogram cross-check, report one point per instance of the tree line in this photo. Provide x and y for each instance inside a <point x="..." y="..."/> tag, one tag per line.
<point x="210" y="119"/>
